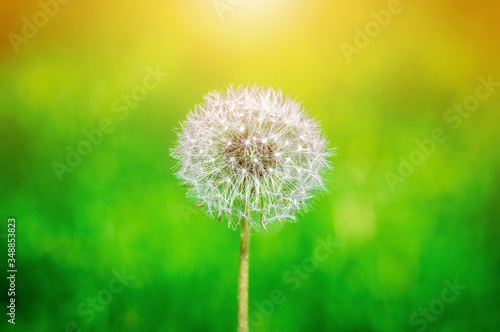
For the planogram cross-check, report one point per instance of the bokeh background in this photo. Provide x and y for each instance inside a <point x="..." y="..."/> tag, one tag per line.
<point x="122" y="208"/>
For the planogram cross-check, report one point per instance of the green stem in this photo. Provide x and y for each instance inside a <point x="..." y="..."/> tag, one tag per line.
<point x="243" y="275"/>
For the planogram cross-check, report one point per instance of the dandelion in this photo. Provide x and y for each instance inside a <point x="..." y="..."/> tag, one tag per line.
<point x="251" y="157"/>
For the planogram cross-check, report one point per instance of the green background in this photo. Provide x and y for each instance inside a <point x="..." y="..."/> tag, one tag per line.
<point x="122" y="207"/>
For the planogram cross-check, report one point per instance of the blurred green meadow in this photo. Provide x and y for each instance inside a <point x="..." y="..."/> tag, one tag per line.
<point x="406" y="239"/>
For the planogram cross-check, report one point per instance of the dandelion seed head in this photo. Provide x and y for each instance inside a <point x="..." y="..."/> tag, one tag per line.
<point x="251" y="150"/>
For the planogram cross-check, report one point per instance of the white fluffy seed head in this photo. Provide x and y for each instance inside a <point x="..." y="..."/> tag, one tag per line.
<point x="250" y="151"/>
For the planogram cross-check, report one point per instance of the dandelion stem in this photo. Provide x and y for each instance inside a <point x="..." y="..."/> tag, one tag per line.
<point x="243" y="275"/>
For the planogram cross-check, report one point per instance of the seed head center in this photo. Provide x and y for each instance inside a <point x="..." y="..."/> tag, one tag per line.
<point x="250" y="155"/>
